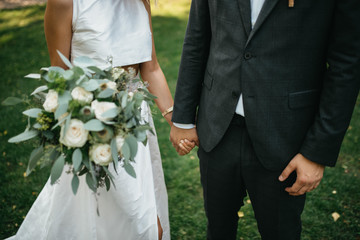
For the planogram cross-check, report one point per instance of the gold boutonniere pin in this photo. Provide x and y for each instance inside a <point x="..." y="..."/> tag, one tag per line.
<point x="291" y="3"/>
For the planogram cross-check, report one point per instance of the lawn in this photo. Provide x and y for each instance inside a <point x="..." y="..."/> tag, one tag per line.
<point x="23" y="50"/>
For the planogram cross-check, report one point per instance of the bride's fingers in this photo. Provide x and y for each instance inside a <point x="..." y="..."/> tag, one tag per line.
<point x="184" y="148"/>
<point x="189" y="143"/>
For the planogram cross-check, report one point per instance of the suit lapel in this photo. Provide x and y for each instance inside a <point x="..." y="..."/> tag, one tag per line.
<point x="245" y="12"/>
<point x="264" y="13"/>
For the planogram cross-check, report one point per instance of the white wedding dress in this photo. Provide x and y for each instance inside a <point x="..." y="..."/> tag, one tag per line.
<point x="120" y="29"/>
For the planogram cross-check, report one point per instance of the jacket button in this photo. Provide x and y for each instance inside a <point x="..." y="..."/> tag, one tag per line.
<point x="235" y="95"/>
<point x="248" y="56"/>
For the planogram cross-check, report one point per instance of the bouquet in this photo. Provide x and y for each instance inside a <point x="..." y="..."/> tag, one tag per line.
<point x="89" y="118"/>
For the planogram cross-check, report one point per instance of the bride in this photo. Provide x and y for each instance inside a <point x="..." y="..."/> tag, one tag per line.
<point x="136" y="208"/>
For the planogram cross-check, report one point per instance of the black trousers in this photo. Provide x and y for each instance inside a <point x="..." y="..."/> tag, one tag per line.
<point x="229" y="172"/>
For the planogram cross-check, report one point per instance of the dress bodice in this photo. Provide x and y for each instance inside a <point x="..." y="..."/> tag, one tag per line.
<point x="111" y="28"/>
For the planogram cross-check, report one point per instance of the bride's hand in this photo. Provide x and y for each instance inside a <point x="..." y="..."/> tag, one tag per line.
<point x="186" y="146"/>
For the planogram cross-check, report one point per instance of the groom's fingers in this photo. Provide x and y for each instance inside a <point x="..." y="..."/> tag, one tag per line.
<point x="287" y="171"/>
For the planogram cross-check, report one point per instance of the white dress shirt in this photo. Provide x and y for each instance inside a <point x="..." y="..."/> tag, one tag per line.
<point x="256" y="6"/>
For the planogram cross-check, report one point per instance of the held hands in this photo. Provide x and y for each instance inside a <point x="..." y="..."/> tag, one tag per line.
<point x="309" y="175"/>
<point x="183" y="140"/>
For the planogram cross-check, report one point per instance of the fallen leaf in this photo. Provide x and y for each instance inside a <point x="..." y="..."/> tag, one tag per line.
<point x="192" y="157"/>
<point x="4" y="154"/>
<point x="335" y="216"/>
<point x="20" y="164"/>
<point x="13" y="207"/>
<point x="241" y="214"/>
<point x="5" y="132"/>
<point x="24" y="174"/>
<point x="334" y="192"/>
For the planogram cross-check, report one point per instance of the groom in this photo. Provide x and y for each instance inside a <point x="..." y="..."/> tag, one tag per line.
<point x="271" y="86"/>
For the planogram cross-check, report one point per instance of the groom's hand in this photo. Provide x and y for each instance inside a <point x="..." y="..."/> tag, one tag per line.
<point x="309" y="175"/>
<point x="179" y="135"/>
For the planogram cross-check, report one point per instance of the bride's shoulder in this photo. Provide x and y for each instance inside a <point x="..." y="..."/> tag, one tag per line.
<point x="61" y="4"/>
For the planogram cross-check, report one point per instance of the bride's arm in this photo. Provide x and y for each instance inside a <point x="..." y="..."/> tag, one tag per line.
<point x="58" y="31"/>
<point x="152" y="73"/>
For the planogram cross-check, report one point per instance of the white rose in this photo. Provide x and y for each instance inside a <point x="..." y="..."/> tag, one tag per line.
<point x="76" y="135"/>
<point x="111" y="85"/>
<point x="100" y="108"/>
<point x="81" y="95"/>
<point x="51" y="101"/>
<point x="119" y="142"/>
<point x="100" y="154"/>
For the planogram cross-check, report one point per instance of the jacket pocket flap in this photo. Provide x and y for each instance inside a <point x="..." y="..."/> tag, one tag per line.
<point x="303" y="99"/>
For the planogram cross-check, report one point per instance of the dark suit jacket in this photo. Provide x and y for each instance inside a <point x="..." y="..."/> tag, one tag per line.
<point x="298" y="70"/>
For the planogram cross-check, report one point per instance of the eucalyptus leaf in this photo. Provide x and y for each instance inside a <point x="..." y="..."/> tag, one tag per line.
<point x="68" y="74"/>
<point x="64" y="98"/>
<point x="110" y="175"/>
<point x="130" y="169"/>
<point x="111" y="113"/>
<point x="83" y="61"/>
<point x="92" y="171"/>
<point x="90" y="85"/>
<point x="94" y="125"/>
<point x="48" y="134"/>
<point x="82" y="78"/>
<point x="77" y="159"/>
<point x="24" y="136"/>
<point x="57" y="168"/>
<point x="33" y="112"/>
<point x="11" y="101"/>
<point x="124" y="100"/>
<point x="147" y="93"/>
<point x="75" y="184"/>
<point x="97" y="70"/>
<point x="125" y="150"/>
<point x="90" y="182"/>
<point x="40" y="89"/>
<point x="78" y="71"/>
<point x="101" y="81"/>
<point x="67" y="124"/>
<point x="37" y="126"/>
<point x="144" y="127"/>
<point x="56" y="69"/>
<point x="33" y="76"/>
<point x="35" y="155"/>
<point x="45" y="76"/>
<point x="114" y="152"/>
<point x="54" y="154"/>
<point x="107" y="183"/>
<point x="141" y="136"/>
<point x="108" y="92"/>
<point x="62" y="109"/>
<point x="133" y="145"/>
<point x="58" y="123"/>
<point x="64" y="59"/>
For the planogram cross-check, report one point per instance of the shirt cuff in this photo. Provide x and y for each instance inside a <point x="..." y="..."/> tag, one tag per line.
<point x="184" y="126"/>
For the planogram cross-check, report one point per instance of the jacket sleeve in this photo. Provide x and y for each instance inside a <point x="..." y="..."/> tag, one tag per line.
<point x="193" y="63"/>
<point x="340" y="86"/>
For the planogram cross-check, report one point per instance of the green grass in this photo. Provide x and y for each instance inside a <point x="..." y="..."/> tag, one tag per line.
<point x="23" y="50"/>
